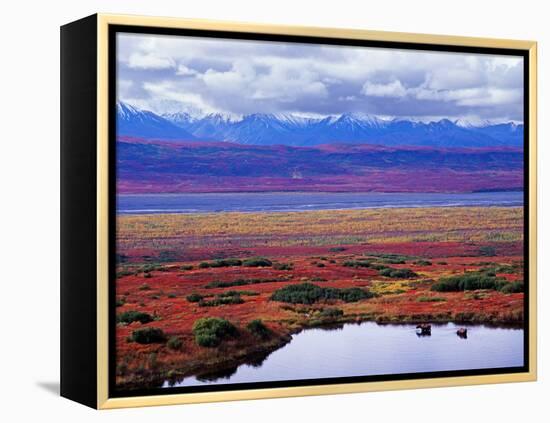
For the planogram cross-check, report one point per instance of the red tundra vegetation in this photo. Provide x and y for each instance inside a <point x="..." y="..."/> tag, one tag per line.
<point x="201" y="294"/>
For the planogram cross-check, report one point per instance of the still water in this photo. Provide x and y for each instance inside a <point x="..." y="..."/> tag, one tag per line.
<point x="305" y="201"/>
<point x="372" y="349"/>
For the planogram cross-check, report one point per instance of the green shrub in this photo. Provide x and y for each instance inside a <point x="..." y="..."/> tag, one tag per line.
<point x="317" y="279"/>
<point x="235" y="293"/>
<point x="148" y="336"/>
<point x="423" y="263"/>
<point x="194" y="297"/>
<point x="257" y="262"/>
<point x="174" y="343"/>
<point x="120" y="301"/>
<point x="357" y="263"/>
<point x="258" y="329"/>
<point x="221" y="263"/>
<point x="513" y="287"/>
<point x="152" y="268"/>
<point x="504" y="268"/>
<point x="144" y="287"/>
<point x="388" y="257"/>
<point x="186" y="267"/>
<point x="283" y="266"/>
<point x="172" y="295"/>
<point x="222" y="300"/>
<point x="368" y="263"/>
<point x="331" y="313"/>
<point x="147" y="275"/>
<point x="307" y="293"/>
<point x="133" y="316"/>
<point x="211" y="331"/>
<point x="397" y="273"/>
<point x="320" y="265"/>
<point x="337" y="249"/>
<point x="240" y="282"/>
<point x="469" y="282"/>
<point x="424" y="299"/>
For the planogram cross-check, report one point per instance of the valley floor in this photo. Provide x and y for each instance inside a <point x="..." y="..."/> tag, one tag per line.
<point x="179" y="268"/>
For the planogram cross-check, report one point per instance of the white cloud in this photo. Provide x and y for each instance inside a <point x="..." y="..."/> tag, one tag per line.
<point x="392" y="89"/>
<point x="167" y="93"/>
<point x="185" y="71"/>
<point x="149" y="61"/>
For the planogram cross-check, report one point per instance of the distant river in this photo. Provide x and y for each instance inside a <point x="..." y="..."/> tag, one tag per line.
<point x="304" y="201"/>
<point x="372" y="349"/>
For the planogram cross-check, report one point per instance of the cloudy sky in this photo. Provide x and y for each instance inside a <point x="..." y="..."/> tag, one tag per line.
<point x="173" y="73"/>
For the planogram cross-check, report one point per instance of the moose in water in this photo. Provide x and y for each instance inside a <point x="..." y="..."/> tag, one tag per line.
<point x="424" y="329"/>
<point x="462" y="333"/>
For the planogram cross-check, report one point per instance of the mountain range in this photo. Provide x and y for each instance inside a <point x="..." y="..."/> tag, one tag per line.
<point x="294" y="130"/>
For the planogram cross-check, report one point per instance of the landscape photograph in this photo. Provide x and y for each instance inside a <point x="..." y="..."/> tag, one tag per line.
<point x="306" y="212"/>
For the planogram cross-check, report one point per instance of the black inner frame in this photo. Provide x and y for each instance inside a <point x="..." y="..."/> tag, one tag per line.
<point x="112" y="50"/>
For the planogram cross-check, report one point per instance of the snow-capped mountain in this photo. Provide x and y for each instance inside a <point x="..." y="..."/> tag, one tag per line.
<point x="295" y="130"/>
<point x="131" y="121"/>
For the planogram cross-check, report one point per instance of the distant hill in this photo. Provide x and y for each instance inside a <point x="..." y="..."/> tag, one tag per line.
<point x="292" y="130"/>
<point x="168" y="166"/>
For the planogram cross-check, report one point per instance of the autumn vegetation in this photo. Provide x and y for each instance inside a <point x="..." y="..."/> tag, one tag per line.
<point x="224" y="289"/>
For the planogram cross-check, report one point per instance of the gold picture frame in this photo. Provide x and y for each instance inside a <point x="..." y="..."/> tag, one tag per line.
<point x="103" y="400"/>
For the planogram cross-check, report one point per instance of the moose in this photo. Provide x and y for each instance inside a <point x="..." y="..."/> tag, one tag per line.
<point x="424" y="329"/>
<point x="462" y="333"/>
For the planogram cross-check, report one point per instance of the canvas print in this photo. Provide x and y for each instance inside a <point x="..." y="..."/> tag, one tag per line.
<point x="290" y="212"/>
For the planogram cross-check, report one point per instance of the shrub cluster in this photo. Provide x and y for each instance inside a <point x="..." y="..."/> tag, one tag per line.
<point x="389" y="272"/>
<point x="512" y="288"/>
<point x="391" y="256"/>
<point x="307" y="293"/>
<point x="424" y="299"/>
<point x="174" y="343"/>
<point x="211" y="331"/>
<point x="133" y="316"/>
<point x="257" y="262"/>
<point x="258" y="329"/>
<point x="240" y="282"/>
<point x="368" y="263"/>
<point x="233" y="293"/>
<point x="152" y="267"/>
<point x="230" y="262"/>
<point x="423" y="262"/>
<point x="194" y="297"/>
<point x="283" y="266"/>
<point x="474" y="280"/>
<point x="222" y="299"/>
<point x="331" y="313"/>
<point x="148" y="336"/>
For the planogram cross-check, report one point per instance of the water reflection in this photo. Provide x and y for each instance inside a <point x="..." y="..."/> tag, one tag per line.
<point x="375" y="349"/>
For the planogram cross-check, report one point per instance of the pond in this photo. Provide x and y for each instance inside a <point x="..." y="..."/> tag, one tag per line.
<point x="369" y="348"/>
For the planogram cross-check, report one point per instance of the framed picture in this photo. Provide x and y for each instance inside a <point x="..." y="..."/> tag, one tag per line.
<point x="255" y="211"/>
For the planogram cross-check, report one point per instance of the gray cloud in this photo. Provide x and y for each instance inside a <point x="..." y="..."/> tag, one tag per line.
<point x="174" y="73"/>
